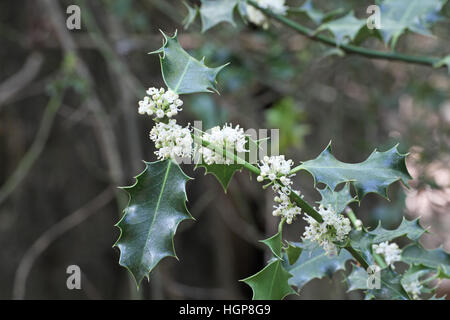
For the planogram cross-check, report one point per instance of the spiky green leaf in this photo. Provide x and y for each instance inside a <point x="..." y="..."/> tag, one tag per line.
<point x="313" y="263"/>
<point x="409" y="228"/>
<point x="183" y="73"/>
<point x="437" y="258"/>
<point x="223" y="172"/>
<point x="357" y="279"/>
<point x="397" y="16"/>
<point x="361" y="242"/>
<point x="344" y="29"/>
<point x="271" y="283"/>
<point x="337" y="200"/>
<point x="157" y="205"/>
<point x="375" y="174"/>
<point x="213" y="12"/>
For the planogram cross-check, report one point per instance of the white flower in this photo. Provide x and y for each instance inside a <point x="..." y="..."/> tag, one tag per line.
<point x="257" y="17"/>
<point x="414" y="288"/>
<point x="276" y="167"/>
<point x="161" y="103"/>
<point x="391" y="252"/>
<point x="225" y="138"/>
<point x="285" y="207"/>
<point x="171" y="140"/>
<point x="334" y="228"/>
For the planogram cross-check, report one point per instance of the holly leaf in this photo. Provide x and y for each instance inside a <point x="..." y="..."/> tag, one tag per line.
<point x="374" y="175"/>
<point x="390" y="287"/>
<point x="275" y="243"/>
<point x="411" y="229"/>
<point x="397" y="16"/>
<point x="443" y="62"/>
<point x="192" y="14"/>
<point x="437" y="258"/>
<point x="157" y="205"/>
<point x="357" y="279"/>
<point x="314" y="14"/>
<point x="336" y="200"/>
<point x="271" y="283"/>
<point x="181" y="72"/>
<point x="361" y="241"/>
<point x="344" y="29"/>
<point x="213" y="12"/>
<point x="292" y="252"/>
<point x="223" y="172"/>
<point x="314" y="263"/>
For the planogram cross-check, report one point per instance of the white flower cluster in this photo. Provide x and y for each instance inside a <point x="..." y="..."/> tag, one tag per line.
<point x="285" y="207"/>
<point x="390" y="252"/>
<point x="160" y="103"/>
<point x="225" y="138"/>
<point x="257" y="17"/>
<point x="276" y="167"/>
<point x="334" y="228"/>
<point x="171" y="140"/>
<point x="414" y="288"/>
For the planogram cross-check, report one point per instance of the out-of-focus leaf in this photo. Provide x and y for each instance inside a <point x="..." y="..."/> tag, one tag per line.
<point x="213" y="12"/>
<point x="181" y="72"/>
<point x="192" y="14"/>
<point x="444" y="62"/>
<point x="344" y="29"/>
<point x="397" y="16"/>
<point x="284" y="114"/>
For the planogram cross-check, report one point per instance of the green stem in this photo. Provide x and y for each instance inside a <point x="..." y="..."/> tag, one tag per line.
<point x="374" y="54"/>
<point x="351" y="215"/>
<point x="379" y="260"/>
<point x="295" y="197"/>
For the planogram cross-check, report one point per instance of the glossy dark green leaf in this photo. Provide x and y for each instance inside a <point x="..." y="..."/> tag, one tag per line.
<point x="292" y="252"/>
<point x="375" y="174"/>
<point x="223" y="172"/>
<point x="437" y="258"/>
<point x="408" y="228"/>
<point x="337" y="200"/>
<point x="275" y="243"/>
<point x="157" y="205"/>
<point x="183" y="73"/>
<point x="313" y="263"/>
<point x="271" y="283"/>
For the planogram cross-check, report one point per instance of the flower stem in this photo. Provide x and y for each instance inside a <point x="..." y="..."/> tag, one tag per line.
<point x="295" y="197"/>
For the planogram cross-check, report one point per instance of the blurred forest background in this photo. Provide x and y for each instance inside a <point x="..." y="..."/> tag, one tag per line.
<point x="70" y="134"/>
